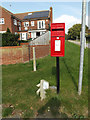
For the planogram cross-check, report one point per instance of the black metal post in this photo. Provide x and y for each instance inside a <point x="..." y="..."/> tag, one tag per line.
<point x="58" y="83"/>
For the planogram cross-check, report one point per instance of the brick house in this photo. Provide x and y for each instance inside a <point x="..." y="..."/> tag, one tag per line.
<point x="28" y="25"/>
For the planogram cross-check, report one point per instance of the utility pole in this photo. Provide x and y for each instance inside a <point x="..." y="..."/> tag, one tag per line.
<point x="82" y="46"/>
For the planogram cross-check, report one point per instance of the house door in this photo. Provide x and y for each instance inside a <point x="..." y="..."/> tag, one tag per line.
<point x="24" y="36"/>
<point x="38" y="34"/>
<point x="33" y="35"/>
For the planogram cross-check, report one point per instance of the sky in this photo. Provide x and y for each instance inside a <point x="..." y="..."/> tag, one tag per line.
<point x="69" y="13"/>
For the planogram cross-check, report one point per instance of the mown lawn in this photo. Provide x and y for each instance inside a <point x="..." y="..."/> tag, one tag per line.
<point x="19" y="87"/>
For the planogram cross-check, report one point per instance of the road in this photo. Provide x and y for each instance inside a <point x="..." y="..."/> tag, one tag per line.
<point x="78" y="43"/>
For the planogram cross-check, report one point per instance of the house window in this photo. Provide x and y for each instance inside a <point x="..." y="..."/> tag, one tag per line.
<point x="32" y="23"/>
<point x="26" y="24"/>
<point x="15" y="22"/>
<point x="26" y="28"/>
<point x="15" y="33"/>
<point x="23" y="36"/>
<point x="19" y="28"/>
<point x="41" y="24"/>
<point x="1" y="20"/>
<point x="19" y="23"/>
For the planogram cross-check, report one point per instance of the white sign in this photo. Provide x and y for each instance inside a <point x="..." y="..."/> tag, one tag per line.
<point x="57" y="45"/>
<point x="45" y="85"/>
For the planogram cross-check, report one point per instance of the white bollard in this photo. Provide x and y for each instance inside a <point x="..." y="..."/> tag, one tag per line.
<point x="34" y="59"/>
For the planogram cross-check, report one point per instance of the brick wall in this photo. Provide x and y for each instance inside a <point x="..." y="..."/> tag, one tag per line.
<point x="47" y="22"/>
<point x="22" y="54"/>
<point x="7" y="20"/>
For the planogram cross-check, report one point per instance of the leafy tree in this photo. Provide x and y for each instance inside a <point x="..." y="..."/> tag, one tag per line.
<point x="74" y="31"/>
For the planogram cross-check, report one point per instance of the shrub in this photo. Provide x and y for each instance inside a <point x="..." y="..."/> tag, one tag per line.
<point x="9" y="39"/>
<point x="8" y="30"/>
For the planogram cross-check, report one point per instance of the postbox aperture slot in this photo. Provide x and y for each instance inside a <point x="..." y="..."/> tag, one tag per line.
<point x="58" y="29"/>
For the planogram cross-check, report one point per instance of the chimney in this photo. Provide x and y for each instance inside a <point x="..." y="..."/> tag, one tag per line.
<point x="51" y="17"/>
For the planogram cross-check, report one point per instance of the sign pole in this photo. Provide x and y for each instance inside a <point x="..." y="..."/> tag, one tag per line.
<point x="58" y="82"/>
<point x="82" y="46"/>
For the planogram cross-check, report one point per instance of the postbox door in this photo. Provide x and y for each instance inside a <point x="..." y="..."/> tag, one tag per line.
<point x="57" y="46"/>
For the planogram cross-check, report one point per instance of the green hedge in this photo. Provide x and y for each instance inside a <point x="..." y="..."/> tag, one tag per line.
<point x="9" y="39"/>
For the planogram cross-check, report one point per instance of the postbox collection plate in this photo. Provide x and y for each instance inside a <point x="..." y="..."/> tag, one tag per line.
<point x="57" y="39"/>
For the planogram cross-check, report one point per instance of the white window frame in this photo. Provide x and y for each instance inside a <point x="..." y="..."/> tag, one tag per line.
<point x="32" y="23"/>
<point x="41" y="24"/>
<point x="26" y="24"/>
<point x="23" y="36"/>
<point x="19" y="28"/>
<point x="19" y="23"/>
<point x="15" y="21"/>
<point x="15" y="33"/>
<point x="26" y="28"/>
<point x="2" y="21"/>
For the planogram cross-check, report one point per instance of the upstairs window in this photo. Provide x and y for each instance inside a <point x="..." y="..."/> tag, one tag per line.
<point x="26" y="24"/>
<point x="41" y="24"/>
<point x="15" y="22"/>
<point x="1" y="20"/>
<point x="32" y="23"/>
<point x="19" y="28"/>
<point x="19" y="23"/>
<point x="26" y="28"/>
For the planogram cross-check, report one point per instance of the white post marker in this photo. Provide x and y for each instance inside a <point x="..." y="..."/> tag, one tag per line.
<point x="43" y="86"/>
<point x="82" y="46"/>
<point x="34" y="59"/>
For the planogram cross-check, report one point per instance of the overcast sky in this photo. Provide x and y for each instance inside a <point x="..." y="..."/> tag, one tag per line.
<point x="68" y="12"/>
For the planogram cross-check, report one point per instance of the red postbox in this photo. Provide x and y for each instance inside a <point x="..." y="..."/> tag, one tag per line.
<point x="57" y="39"/>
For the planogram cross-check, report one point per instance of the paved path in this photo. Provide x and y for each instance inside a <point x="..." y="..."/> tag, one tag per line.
<point x="78" y="43"/>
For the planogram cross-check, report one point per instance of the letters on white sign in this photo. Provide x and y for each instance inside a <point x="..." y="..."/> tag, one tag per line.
<point x="57" y="45"/>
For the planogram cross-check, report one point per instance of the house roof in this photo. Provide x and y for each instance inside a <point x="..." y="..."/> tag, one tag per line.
<point x="25" y="16"/>
<point x="37" y="15"/>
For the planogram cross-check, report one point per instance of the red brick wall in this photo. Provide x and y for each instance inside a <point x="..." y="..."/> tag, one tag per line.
<point x="41" y="51"/>
<point x="21" y="54"/>
<point x="35" y="24"/>
<point x="7" y="20"/>
<point x="15" y="28"/>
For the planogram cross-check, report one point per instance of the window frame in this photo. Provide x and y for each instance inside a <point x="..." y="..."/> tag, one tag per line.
<point x="2" y="19"/>
<point x="41" y="24"/>
<point x="32" y="23"/>
<point x="15" y="22"/>
<point x="26" y="25"/>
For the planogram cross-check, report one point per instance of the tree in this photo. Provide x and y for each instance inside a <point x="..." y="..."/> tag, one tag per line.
<point x="74" y="31"/>
<point x="8" y="30"/>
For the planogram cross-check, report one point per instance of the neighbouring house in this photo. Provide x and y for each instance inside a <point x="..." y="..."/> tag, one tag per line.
<point x="28" y="25"/>
<point x="88" y="35"/>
